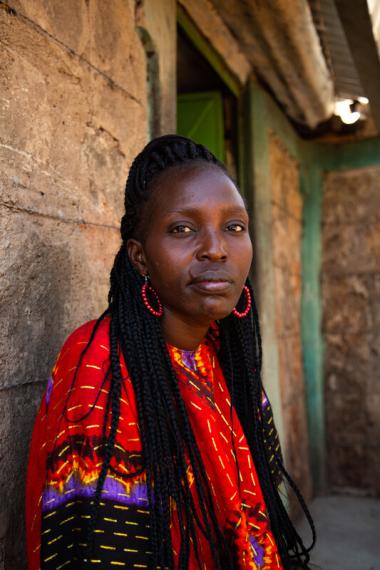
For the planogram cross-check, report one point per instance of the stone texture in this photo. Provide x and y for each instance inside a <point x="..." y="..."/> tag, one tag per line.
<point x="103" y="38"/>
<point x="286" y="235"/>
<point x="67" y="136"/>
<point x="348" y="466"/>
<point x="351" y="327"/>
<point x="18" y="407"/>
<point x="352" y="196"/>
<point x="357" y="242"/>
<point x="351" y="294"/>
<point x="50" y="269"/>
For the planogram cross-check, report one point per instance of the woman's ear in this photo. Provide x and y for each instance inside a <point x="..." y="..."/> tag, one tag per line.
<point x="136" y="256"/>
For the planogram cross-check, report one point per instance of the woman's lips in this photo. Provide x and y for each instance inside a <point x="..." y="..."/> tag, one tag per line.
<point x="214" y="286"/>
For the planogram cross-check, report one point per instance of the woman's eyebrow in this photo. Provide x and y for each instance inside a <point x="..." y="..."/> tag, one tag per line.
<point x="238" y="210"/>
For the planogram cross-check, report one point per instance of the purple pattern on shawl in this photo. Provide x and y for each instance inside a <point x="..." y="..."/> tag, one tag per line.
<point x="112" y="490"/>
<point x="188" y="359"/>
<point x="258" y="552"/>
<point x="49" y="389"/>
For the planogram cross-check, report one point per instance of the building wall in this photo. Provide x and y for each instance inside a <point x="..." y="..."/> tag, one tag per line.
<point x="73" y="114"/>
<point x="287" y="228"/>
<point x="351" y="326"/>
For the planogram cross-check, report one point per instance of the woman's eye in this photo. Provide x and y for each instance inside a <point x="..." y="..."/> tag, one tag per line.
<point x="181" y="229"/>
<point x="236" y="227"/>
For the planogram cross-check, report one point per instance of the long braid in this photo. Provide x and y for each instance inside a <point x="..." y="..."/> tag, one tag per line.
<point x="247" y="394"/>
<point x="168" y="442"/>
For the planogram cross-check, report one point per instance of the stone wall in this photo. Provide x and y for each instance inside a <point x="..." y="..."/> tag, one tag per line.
<point x="287" y="227"/>
<point x="351" y="327"/>
<point x="73" y="114"/>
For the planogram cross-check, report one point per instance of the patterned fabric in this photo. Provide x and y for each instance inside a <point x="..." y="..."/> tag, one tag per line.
<point x="66" y="456"/>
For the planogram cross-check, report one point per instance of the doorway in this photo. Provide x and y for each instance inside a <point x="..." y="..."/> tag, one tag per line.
<point x="206" y="108"/>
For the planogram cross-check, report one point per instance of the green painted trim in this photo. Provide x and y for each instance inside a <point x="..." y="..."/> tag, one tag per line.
<point x="360" y="154"/>
<point x="260" y="188"/>
<point x="311" y="315"/>
<point x="214" y="59"/>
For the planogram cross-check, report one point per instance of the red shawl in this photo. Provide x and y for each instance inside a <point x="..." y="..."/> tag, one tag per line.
<point x="65" y="461"/>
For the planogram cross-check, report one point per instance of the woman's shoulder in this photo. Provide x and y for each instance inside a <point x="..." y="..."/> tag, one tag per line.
<point x="81" y="366"/>
<point x="95" y="331"/>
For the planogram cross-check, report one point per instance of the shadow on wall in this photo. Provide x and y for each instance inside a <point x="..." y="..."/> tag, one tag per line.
<point x="36" y="288"/>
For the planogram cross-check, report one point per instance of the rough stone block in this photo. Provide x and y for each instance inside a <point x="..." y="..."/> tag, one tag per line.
<point x="56" y="276"/>
<point x="346" y="305"/>
<point x="347" y="419"/>
<point x="67" y="136"/>
<point x="100" y="33"/>
<point x="347" y="467"/>
<point x="350" y="248"/>
<point x="349" y="378"/>
<point x="351" y="325"/>
<point x="352" y="196"/>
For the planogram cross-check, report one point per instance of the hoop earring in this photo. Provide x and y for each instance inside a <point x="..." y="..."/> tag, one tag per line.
<point x="241" y="315"/>
<point x="144" y="293"/>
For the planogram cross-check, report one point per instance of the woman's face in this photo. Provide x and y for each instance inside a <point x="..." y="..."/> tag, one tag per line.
<point x="196" y="246"/>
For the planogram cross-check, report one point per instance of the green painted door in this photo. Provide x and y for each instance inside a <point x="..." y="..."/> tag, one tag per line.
<point x="200" y="117"/>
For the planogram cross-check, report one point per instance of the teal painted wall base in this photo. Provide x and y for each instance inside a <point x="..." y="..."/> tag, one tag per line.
<point x="312" y="344"/>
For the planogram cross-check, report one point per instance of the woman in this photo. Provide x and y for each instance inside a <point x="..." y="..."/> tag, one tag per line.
<point x="155" y="445"/>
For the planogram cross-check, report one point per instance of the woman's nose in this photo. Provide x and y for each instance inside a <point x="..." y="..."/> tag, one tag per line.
<point x="212" y="246"/>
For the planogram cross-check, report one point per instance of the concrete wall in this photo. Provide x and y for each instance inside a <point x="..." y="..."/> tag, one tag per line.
<point x="287" y="226"/>
<point x="351" y="326"/>
<point x="73" y="114"/>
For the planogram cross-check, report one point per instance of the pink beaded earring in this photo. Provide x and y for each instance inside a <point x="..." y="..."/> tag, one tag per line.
<point x="241" y="315"/>
<point x="144" y="293"/>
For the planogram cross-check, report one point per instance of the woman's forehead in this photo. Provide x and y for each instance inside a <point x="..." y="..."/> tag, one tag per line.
<point x="194" y="184"/>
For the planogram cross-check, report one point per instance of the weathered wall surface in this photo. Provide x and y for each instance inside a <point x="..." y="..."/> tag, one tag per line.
<point x="73" y="114"/>
<point x="158" y="21"/>
<point x="351" y="327"/>
<point x="287" y="226"/>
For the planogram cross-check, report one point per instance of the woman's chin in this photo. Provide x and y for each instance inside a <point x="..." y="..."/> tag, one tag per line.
<point x="216" y="309"/>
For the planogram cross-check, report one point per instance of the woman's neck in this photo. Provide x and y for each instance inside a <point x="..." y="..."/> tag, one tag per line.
<point x="181" y="333"/>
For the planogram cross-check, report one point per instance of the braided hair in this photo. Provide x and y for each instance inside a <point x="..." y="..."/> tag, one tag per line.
<point x="168" y="442"/>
